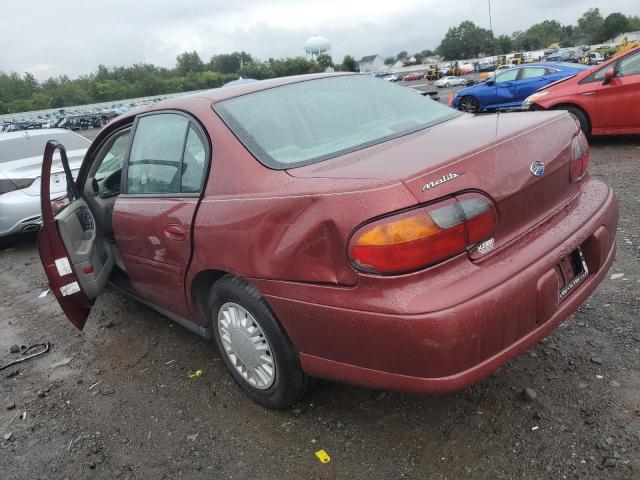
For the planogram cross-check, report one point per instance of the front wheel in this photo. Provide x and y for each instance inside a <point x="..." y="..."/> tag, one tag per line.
<point x="469" y="104"/>
<point x="582" y="117"/>
<point x="253" y="346"/>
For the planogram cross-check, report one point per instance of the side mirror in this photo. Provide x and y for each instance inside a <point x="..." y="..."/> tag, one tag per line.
<point x="490" y="82"/>
<point x="608" y="76"/>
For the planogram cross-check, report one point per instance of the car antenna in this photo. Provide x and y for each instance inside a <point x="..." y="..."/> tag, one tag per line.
<point x="495" y="63"/>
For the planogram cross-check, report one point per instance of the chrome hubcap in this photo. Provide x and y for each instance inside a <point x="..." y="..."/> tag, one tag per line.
<point x="246" y="345"/>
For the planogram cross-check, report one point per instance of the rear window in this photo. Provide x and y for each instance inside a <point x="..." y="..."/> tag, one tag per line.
<point x="27" y="146"/>
<point x="314" y="120"/>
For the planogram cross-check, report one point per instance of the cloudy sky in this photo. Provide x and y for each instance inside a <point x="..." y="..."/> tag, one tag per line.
<point x="49" y="38"/>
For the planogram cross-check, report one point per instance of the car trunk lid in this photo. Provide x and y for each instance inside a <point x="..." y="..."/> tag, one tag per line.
<point x="488" y="153"/>
<point x="29" y="168"/>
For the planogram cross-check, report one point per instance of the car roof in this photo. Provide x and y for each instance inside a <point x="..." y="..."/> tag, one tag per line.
<point x="219" y="94"/>
<point x="556" y="65"/>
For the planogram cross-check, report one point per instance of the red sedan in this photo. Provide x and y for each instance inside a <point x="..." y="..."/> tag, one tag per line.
<point x="413" y="76"/>
<point x="605" y="98"/>
<point x="336" y="226"/>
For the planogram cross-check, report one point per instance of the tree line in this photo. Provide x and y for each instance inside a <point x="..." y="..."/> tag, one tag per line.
<point x="467" y="40"/>
<point x="20" y="93"/>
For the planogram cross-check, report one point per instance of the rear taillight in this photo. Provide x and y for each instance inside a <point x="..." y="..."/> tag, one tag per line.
<point x="579" y="158"/>
<point x="423" y="236"/>
<point x="14" y="184"/>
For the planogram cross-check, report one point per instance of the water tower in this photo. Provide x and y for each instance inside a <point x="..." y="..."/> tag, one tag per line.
<point x="315" y="46"/>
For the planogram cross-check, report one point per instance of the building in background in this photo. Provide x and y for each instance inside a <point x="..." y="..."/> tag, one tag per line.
<point x="371" y="63"/>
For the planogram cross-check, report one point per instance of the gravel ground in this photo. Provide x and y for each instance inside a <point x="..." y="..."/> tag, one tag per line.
<point x="117" y="401"/>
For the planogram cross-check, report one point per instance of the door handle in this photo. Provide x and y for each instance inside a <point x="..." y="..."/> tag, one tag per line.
<point x="174" y="232"/>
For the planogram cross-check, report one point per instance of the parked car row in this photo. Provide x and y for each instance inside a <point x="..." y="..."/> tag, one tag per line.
<point x="72" y="119"/>
<point x="604" y="97"/>
<point x="511" y="86"/>
<point x="61" y="120"/>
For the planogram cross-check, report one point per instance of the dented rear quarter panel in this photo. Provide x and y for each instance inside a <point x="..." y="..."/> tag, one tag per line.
<point x="263" y="223"/>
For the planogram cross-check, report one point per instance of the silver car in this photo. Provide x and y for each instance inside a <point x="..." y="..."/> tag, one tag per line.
<point x="20" y="165"/>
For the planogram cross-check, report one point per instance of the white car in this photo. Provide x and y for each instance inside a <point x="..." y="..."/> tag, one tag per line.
<point x="450" y="82"/>
<point x="20" y="165"/>
<point x="391" y="78"/>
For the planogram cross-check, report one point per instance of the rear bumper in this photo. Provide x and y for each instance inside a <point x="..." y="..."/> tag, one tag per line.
<point x="19" y="212"/>
<point x="452" y="347"/>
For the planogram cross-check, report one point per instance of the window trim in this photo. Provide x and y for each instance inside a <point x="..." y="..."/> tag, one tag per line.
<point x="204" y="138"/>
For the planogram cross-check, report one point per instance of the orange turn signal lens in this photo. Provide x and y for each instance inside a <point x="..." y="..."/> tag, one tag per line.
<point x="423" y="236"/>
<point x="406" y="229"/>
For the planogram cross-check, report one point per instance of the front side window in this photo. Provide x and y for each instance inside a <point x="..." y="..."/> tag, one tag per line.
<point x="310" y="121"/>
<point x="531" y="72"/>
<point x="111" y="156"/>
<point x="108" y="163"/>
<point x="508" y="76"/>
<point x="629" y="65"/>
<point x="597" y="76"/>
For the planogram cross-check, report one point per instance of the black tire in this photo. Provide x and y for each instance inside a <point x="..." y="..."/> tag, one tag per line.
<point x="469" y="104"/>
<point x="580" y="114"/>
<point x="290" y="383"/>
<point x="447" y="85"/>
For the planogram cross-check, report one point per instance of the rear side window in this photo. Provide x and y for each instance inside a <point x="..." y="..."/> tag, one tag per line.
<point x="193" y="165"/>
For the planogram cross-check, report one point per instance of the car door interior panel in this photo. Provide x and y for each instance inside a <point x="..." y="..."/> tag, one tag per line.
<point x="88" y="250"/>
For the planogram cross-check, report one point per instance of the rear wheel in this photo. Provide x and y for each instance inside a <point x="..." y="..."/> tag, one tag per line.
<point x="254" y="347"/>
<point x="469" y="104"/>
<point x="447" y="84"/>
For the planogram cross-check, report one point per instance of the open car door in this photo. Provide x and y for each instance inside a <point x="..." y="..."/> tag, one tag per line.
<point x="76" y="257"/>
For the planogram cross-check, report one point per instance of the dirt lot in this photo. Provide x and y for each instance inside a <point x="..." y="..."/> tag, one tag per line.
<point x="119" y="403"/>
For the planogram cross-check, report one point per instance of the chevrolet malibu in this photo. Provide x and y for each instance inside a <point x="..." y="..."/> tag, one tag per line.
<point x="336" y="226"/>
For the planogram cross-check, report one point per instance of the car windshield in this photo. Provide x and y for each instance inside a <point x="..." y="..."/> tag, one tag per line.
<point x="310" y="121"/>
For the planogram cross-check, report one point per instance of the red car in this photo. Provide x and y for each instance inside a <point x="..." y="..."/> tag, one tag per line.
<point x="413" y="76"/>
<point x="605" y="98"/>
<point x="336" y="226"/>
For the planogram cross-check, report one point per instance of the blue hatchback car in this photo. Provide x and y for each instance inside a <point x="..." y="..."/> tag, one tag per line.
<point x="511" y="87"/>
